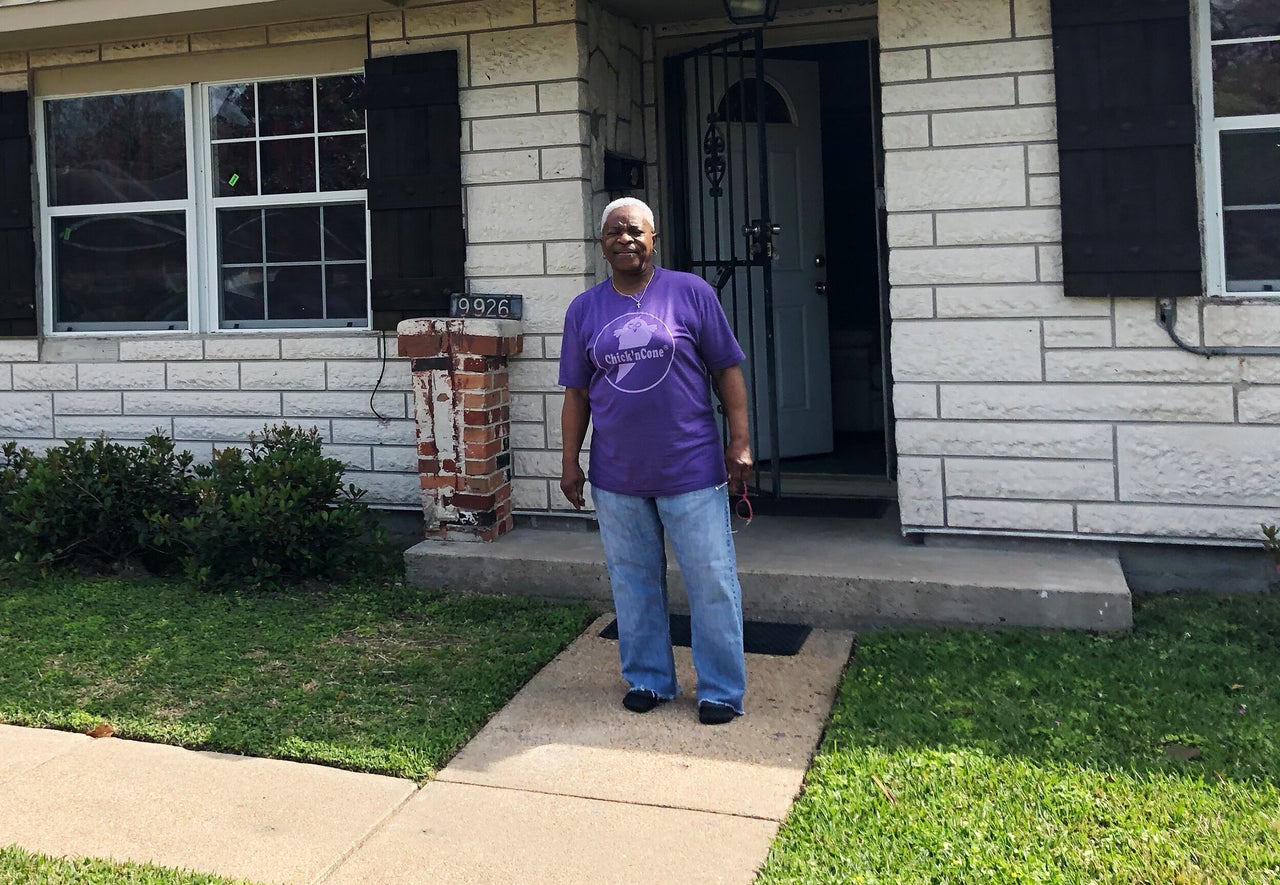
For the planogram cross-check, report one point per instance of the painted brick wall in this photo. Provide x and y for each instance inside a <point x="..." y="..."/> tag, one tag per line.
<point x="1020" y="410"/>
<point x="462" y="409"/>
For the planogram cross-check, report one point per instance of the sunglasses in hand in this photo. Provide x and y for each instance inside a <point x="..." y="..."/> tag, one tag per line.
<point x="742" y="508"/>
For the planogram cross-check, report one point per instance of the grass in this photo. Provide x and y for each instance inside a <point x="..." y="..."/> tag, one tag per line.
<point x="370" y="677"/>
<point x="951" y="756"/>
<point x="1052" y="757"/>
<point x="18" y="867"/>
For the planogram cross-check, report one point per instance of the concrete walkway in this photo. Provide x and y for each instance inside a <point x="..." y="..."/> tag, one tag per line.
<point x="563" y="785"/>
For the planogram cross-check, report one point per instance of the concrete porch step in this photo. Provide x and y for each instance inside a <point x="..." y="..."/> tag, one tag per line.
<point x="830" y="573"/>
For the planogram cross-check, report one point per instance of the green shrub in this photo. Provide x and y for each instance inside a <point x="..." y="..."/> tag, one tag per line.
<point x="1271" y="544"/>
<point x="90" y="500"/>
<point x="275" y="511"/>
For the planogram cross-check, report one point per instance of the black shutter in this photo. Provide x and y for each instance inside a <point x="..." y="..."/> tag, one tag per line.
<point x="1127" y="147"/>
<point x="17" y="237"/>
<point x="415" y="185"/>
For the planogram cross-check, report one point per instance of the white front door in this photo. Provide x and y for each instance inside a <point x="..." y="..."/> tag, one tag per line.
<point x="799" y="316"/>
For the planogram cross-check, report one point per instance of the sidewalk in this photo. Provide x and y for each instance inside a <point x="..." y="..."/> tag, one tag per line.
<point x="563" y="785"/>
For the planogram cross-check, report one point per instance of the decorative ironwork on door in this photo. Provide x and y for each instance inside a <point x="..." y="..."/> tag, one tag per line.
<point x="718" y="102"/>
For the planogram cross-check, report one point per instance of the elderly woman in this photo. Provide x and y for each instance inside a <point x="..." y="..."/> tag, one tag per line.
<point x="636" y="355"/>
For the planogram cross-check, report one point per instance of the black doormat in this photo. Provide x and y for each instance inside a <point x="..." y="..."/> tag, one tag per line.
<point x="758" y="637"/>
<point x="847" y="508"/>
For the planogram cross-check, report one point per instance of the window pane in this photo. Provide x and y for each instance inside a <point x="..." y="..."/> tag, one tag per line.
<point x="342" y="164"/>
<point x="344" y="232"/>
<point x="1232" y="19"/>
<point x="340" y="101"/>
<point x="289" y="166"/>
<point x="243" y="295"/>
<point x="240" y="236"/>
<point x="347" y="292"/>
<point x="287" y="107"/>
<point x="1246" y="79"/>
<point x="235" y="169"/>
<point x="1253" y="261"/>
<point x="294" y="293"/>
<point x="120" y="269"/>
<point x="231" y="111"/>
<point x="1251" y="168"/>
<point x="293" y="234"/>
<point x="117" y="148"/>
<point x="287" y="265"/>
<point x="739" y="103"/>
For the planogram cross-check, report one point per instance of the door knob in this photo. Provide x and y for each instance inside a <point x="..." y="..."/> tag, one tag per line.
<point x="821" y="288"/>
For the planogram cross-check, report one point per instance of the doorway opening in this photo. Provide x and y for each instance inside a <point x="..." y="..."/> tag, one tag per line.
<point x="792" y="135"/>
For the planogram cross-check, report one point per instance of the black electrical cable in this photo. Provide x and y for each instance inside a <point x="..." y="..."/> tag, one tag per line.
<point x="1167" y="318"/>
<point x="382" y="346"/>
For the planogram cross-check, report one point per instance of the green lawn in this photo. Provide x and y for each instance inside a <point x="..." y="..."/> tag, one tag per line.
<point x="1046" y="757"/>
<point x="951" y="756"/>
<point x="18" y="867"/>
<point x="370" y="677"/>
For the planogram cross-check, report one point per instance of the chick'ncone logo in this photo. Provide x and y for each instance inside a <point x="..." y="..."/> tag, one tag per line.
<point x="636" y="351"/>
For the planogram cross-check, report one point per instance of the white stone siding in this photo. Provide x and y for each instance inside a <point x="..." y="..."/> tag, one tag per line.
<point x="616" y="104"/>
<point x="1020" y="410"/>
<point x="526" y="143"/>
<point x="209" y="392"/>
<point x="547" y="87"/>
<point x="532" y="140"/>
<point x="620" y="102"/>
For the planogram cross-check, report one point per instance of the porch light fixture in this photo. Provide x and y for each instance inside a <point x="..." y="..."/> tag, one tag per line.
<point x="751" y="12"/>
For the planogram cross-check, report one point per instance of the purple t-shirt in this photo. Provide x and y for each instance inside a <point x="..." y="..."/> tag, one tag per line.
<point x="645" y="371"/>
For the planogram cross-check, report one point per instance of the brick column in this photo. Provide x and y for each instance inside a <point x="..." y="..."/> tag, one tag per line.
<point x="462" y="405"/>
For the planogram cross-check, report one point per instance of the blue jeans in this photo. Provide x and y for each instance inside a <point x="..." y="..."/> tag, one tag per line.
<point x="697" y="523"/>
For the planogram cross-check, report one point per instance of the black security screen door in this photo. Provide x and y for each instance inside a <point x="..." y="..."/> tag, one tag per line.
<point x="718" y="106"/>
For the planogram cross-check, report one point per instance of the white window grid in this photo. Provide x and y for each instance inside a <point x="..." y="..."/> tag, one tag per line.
<point x="324" y="262"/>
<point x="212" y="304"/>
<point x="1211" y="127"/>
<point x="200" y="213"/>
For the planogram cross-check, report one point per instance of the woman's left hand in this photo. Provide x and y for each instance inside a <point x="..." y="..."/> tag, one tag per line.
<point x="738" y="461"/>
<point x="732" y="389"/>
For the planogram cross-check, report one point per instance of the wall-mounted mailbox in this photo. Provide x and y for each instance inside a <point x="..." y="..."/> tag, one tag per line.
<point x="623" y="173"/>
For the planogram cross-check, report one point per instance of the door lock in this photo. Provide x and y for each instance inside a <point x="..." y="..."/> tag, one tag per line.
<point x="760" y="233"/>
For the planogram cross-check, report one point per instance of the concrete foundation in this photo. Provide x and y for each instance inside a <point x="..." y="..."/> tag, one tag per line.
<point x="833" y="573"/>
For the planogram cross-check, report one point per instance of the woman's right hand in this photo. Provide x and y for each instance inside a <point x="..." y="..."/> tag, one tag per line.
<point x="572" y="483"/>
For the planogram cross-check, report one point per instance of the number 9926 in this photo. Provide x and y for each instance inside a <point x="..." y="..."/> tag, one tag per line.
<point x="497" y="307"/>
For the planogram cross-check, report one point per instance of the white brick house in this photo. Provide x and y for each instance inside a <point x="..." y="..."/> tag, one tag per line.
<point x="1029" y="393"/>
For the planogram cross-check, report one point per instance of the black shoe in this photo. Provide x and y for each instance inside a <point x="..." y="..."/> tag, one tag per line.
<point x="711" y="713"/>
<point x="641" y="700"/>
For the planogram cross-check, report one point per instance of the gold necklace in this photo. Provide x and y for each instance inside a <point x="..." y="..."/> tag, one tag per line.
<point x="639" y="296"/>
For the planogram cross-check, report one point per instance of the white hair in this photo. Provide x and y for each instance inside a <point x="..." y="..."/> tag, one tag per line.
<point x="630" y="202"/>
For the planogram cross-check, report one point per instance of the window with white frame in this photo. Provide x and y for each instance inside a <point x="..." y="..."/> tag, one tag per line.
<point x="213" y="206"/>
<point x="118" y="210"/>
<point x="1240" y="70"/>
